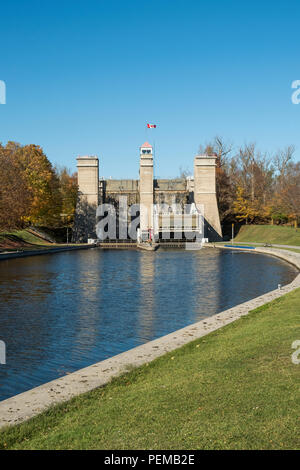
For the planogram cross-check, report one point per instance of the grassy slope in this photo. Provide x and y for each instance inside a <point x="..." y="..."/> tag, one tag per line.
<point x="21" y="238"/>
<point x="235" y="388"/>
<point x="24" y="240"/>
<point x="269" y="234"/>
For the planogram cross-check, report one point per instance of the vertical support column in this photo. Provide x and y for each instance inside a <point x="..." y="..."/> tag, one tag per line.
<point x="205" y="193"/>
<point x="88" y="179"/>
<point x="88" y="197"/>
<point x="146" y="190"/>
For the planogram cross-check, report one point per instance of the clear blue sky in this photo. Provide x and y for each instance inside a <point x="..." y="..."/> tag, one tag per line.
<point x="84" y="77"/>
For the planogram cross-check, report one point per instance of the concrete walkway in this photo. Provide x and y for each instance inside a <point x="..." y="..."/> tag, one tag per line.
<point x="264" y="245"/>
<point x="28" y="404"/>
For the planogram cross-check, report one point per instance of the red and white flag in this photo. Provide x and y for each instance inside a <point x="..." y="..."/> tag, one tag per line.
<point x="151" y="126"/>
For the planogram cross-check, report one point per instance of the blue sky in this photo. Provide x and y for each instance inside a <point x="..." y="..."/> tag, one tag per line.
<point x="84" y="77"/>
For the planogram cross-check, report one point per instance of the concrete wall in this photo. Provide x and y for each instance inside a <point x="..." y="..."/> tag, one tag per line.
<point x="201" y="189"/>
<point x="113" y="189"/>
<point x="88" y="178"/>
<point x="114" y="186"/>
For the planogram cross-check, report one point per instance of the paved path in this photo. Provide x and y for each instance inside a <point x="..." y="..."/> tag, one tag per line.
<point x="264" y="244"/>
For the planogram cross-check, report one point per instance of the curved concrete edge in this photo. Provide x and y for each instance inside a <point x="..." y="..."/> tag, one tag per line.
<point x="28" y="404"/>
<point x="50" y="251"/>
<point x="289" y="256"/>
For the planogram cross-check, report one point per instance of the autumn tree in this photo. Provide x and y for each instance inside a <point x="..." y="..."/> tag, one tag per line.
<point x="287" y="196"/>
<point x="42" y="186"/>
<point x="14" y="195"/>
<point x="243" y="207"/>
<point x="69" y="193"/>
<point x="254" y="187"/>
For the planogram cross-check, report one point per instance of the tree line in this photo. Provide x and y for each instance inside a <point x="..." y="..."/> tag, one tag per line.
<point x="32" y="191"/>
<point x="252" y="186"/>
<point x="255" y="187"/>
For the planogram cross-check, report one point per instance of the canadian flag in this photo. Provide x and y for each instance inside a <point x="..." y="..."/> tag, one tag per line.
<point x="151" y="126"/>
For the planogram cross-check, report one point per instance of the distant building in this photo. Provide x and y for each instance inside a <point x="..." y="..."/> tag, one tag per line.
<point x="158" y="200"/>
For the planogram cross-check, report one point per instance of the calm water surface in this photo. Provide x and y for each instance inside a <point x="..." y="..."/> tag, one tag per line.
<point x="63" y="312"/>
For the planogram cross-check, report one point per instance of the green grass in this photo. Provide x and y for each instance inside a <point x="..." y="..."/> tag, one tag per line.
<point x="30" y="237"/>
<point x="19" y="237"/>
<point x="269" y="234"/>
<point x="236" y="388"/>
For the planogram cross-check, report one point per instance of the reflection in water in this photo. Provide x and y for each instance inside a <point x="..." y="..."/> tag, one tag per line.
<point x="146" y="305"/>
<point x="88" y="284"/>
<point x="62" y="312"/>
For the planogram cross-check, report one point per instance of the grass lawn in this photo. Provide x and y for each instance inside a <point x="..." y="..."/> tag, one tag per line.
<point x="30" y="237"/>
<point x="269" y="234"/>
<point x="236" y="388"/>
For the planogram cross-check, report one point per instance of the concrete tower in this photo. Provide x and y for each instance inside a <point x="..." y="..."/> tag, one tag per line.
<point x="88" y="179"/>
<point x="146" y="190"/>
<point x="88" y="196"/>
<point x="205" y="193"/>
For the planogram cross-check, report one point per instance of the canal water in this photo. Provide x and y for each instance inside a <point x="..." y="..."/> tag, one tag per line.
<point x="62" y="312"/>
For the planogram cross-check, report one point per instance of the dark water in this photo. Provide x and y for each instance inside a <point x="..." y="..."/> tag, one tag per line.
<point x="63" y="312"/>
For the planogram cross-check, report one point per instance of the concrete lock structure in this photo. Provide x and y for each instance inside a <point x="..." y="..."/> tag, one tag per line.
<point x="88" y="179"/>
<point x="169" y="209"/>
<point x="205" y="193"/>
<point x="146" y="190"/>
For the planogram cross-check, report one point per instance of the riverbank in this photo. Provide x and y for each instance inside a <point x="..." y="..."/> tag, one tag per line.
<point x="286" y="254"/>
<point x="32" y="402"/>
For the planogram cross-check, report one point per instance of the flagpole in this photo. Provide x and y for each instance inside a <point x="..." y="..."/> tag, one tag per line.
<point x="150" y="126"/>
<point x="154" y="159"/>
